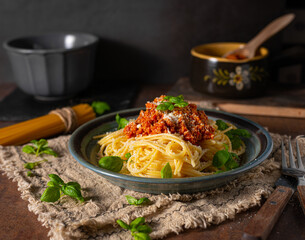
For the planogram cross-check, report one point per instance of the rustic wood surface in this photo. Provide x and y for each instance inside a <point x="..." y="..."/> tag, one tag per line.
<point x="301" y="195"/>
<point x="262" y="223"/>
<point x="16" y="222"/>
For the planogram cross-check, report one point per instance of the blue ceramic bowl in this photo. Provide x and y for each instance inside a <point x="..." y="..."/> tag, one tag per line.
<point x="84" y="149"/>
<point x="53" y="66"/>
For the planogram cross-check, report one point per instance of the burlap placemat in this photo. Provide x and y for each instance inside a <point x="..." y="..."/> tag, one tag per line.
<point x="105" y="203"/>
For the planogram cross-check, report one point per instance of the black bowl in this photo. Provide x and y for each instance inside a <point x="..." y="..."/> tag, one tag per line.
<point x="53" y="66"/>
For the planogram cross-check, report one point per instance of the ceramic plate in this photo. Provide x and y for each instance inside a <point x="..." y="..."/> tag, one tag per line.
<point x="84" y="149"/>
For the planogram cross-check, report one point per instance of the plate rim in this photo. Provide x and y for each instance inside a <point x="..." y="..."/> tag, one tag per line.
<point x="244" y="168"/>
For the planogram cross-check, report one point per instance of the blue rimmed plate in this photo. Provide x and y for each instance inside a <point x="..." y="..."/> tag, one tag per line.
<point x="84" y="149"/>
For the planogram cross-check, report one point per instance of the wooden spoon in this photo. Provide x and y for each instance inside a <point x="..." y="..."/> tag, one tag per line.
<point x="248" y="50"/>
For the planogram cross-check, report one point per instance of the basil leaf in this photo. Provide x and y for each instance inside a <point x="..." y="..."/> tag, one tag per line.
<point x="135" y="223"/>
<point x="127" y="155"/>
<point x="42" y="143"/>
<point x="220" y="158"/>
<point x="181" y="104"/>
<point x="143" y="201"/>
<point x="164" y="106"/>
<point x="171" y="107"/>
<point x="112" y="163"/>
<point x="141" y="236"/>
<point x="131" y="200"/>
<point x="55" y="178"/>
<point x="35" y="143"/>
<point x="117" y="118"/>
<point x="166" y="171"/>
<point x="175" y="100"/>
<point x="51" y="194"/>
<point x="81" y="199"/>
<point x="144" y="228"/>
<point x="40" y="147"/>
<point x="172" y="103"/>
<point x="28" y="149"/>
<point x="181" y="97"/>
<point x="234" y="136"/>
<point x="161" y="107"/>
<point x="72" y="191"/>
<point x="168" y="97"/>
<point x="100" y="107"/>
<point x="57" y="185"/>
<point x="229" y="134"/>
<point x="53" y="184"/>
<point x="75" y="184"/>
<point x="123" y="224"/>
<point x="122" y="122"/>
<point x="29" y="174"/>
<point x="241" y="133"/>
<point x="236" y="142"/>
<point x="231" y="164"/>
<point x="235" y="156"/>
<point x="49" y="151"/>
<point x="30" y="166"/>
<point x="221" y="125"/>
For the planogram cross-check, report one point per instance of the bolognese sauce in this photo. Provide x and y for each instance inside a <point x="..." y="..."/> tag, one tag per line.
<point x="189" y="122"/>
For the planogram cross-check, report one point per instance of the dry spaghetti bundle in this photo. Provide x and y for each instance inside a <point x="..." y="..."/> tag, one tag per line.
<point x="56" y="122"/>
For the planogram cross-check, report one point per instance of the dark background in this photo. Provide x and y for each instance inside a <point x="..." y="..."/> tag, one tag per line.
<point x="149" y="41"/>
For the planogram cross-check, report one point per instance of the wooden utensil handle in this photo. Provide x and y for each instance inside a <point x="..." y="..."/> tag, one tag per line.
<point x="301" y="194"/>
<point x="262" y="110"/>
<point x="262" y="223"/>
<point x="272" y="28"/>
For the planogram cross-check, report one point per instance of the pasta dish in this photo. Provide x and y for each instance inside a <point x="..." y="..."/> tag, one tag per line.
<point x="172" y="138"/>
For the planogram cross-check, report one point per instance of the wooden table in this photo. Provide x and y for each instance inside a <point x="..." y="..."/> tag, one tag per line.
<point x="16" y="222"/>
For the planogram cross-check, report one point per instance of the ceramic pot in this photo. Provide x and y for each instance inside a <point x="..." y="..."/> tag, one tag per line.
<point x="221" y="77"/>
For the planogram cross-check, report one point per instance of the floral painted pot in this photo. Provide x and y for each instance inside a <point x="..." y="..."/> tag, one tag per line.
<point x="228" y="78"/>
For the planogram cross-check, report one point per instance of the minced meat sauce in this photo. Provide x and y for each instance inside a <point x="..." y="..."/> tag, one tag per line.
<point x="187" y="121"/>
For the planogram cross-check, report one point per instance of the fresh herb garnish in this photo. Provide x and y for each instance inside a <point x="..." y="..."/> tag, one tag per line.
<point x="127" y="156"/>
<point x="233" y="134"/>
<point x="39" y="147"/>
<point x="164" y="106"/>
<point x="166" y="171"/>
<point x="235" y="137"/>
<point x="224" y="161"/>
<point x="139" y="230"/>
<point x="100" y="107"/>
<point x="29" y="174"/>
<point x="133" y="201"/>
<point x="32" y="165"/>
<point x="57" y="187"/>
<point x="112" y="163"/>
<point x="221" y="125"/>
<point x="171" y="103"/>
<point x="122" y="122"/>
<point x="239" y="132"/>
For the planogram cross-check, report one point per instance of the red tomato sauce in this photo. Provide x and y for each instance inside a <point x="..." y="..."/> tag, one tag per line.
<point x="190" y="123"/>
<point x="236" y="56"/>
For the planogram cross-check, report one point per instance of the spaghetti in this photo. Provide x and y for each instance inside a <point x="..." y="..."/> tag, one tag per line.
<point x="153" y="140"/>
